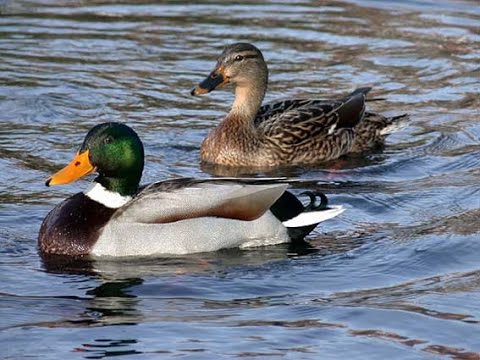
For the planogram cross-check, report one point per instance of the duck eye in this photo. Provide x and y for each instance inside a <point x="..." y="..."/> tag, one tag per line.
<point x="238" y="58"/>
<point x="108" y="140"/>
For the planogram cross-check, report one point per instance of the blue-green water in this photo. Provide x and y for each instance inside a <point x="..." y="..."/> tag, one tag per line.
<point x="397" y="275"/>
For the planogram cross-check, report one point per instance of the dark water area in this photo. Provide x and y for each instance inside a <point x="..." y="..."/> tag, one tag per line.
<point x="397" y="275"/>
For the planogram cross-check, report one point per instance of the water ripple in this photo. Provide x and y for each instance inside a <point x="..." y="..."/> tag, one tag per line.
<point x="395" y="276"/>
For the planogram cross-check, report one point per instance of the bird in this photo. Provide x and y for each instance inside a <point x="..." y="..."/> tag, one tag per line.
<point x="289" y="132"/>
<point x="116" y="217"/>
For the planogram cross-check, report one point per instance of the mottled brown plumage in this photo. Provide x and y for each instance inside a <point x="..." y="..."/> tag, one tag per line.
<point x="290" y="132"/>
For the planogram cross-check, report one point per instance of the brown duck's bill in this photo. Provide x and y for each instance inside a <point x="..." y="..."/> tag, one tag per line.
<point x="78" y="167"/>
<point x="214" y="80"/>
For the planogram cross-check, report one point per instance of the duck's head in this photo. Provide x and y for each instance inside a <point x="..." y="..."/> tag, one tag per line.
<point x="114" y="151"/>
<point x="241" y="64"/>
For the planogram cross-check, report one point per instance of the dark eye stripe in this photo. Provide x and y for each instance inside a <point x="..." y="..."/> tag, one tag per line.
<point x="245" y="57"/>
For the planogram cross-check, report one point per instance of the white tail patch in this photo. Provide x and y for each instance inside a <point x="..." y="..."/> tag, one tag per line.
<point x="332" y="129"/>
<point x="394" y="127"/>
<point x="314" y="217"/>
<point x="105" y="197"/>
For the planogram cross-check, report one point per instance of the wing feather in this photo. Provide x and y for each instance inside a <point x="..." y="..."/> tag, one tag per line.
<point x="181" y="199"/>
<point x="292" y="124"/>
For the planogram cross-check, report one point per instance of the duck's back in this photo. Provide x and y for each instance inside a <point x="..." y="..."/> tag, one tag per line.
<point x="73" y="226"/>
<point x="309" y="131"/>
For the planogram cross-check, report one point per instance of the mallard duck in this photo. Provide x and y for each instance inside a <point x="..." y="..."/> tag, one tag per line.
<point x="116" y="217"/>
<point x="290" y="132"/>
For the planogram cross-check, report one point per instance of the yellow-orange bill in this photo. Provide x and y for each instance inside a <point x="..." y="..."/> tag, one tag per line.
<point x="78" y="167"/>
<point x="198" y="90"/>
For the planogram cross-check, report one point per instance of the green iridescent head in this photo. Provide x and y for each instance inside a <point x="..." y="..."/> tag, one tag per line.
<point x="115" y="152"/>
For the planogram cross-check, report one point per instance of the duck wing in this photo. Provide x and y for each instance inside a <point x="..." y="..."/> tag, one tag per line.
<point x="305" y="121"/>
<point x="185" y="198"/>
<point x="279" y="107"/>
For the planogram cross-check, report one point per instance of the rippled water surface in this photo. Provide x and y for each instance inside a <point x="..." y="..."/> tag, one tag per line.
<point x="396" y="276"/>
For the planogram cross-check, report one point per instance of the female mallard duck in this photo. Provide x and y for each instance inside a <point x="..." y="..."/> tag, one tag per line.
<point x="291" y="132"/>
<point x="117" y="218"/>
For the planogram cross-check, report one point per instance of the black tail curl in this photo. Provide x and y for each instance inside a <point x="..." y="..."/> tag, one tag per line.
<point x="288" y="206"/>
<point x="314" y="205"/>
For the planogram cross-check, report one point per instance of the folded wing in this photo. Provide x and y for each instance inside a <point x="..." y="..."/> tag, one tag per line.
<point x="181" y="199"/>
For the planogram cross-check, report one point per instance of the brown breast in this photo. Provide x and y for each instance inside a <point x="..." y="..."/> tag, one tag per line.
<point x="234" y="142"/>
<point x="73" y="226"/>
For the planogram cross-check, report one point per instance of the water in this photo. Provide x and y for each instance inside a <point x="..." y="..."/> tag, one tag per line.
<point x="397" y="275"/>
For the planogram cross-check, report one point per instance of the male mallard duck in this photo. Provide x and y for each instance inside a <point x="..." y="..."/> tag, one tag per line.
<point x="115" y="217"/>
<point x="290" y="132"/>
